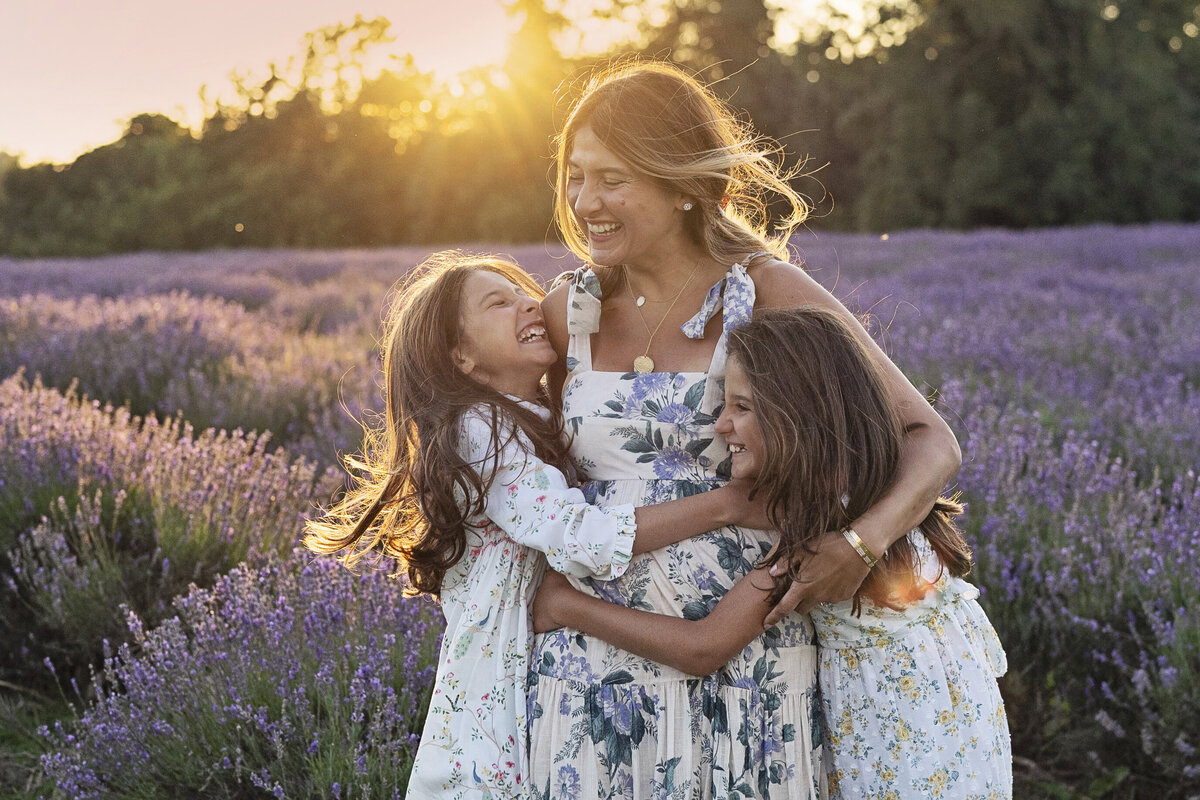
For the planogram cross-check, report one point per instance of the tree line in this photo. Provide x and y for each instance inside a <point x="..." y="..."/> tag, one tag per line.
<point x="906" y="113"/>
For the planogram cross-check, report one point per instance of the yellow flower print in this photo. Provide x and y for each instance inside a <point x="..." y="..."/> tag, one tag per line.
<point x="936" y="785"/>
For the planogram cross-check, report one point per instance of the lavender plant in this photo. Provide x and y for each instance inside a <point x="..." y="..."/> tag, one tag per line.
<point x="103" y="508"/>
<point x="297" y="679"/>
<point x="208" y="360"/>
<point x="1067" y="361"/>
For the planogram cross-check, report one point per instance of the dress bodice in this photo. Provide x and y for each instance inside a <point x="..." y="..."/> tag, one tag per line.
<point x="663" y="420"/>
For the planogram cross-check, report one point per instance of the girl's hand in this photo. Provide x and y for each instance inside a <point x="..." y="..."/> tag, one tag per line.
<point x="548" y="596"/>
<point x="743" y="511"/>
<point x="832" y="575"/>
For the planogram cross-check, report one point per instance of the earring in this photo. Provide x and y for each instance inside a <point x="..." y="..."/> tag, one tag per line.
<point x="687" y="206"/>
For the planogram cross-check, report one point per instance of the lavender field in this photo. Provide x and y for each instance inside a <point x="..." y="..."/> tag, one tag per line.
<point x="168" y="421"/>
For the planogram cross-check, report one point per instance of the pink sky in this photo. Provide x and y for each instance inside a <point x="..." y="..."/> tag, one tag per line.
<point x="75" y="72"/>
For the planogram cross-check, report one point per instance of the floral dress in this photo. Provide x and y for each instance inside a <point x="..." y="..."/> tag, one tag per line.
<point x="473" y="744"/>
<point x="607" y="724"/>
<point x="910" y="699"/>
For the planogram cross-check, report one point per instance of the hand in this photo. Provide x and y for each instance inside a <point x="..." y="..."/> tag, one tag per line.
<point x="549" y="594"/>
<point x="831" y="575"/>
<point x="743" y="511"/>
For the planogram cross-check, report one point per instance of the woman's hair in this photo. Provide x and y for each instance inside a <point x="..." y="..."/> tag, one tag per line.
<point x="411" y="489"/>
<point x="671" y="128"/>
<point x="831" y="441"/>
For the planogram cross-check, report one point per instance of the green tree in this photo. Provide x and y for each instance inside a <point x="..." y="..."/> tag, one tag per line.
<point x="1026" y="112"/>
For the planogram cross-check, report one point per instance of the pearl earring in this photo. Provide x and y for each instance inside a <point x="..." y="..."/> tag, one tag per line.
<point x="687" y="206"/>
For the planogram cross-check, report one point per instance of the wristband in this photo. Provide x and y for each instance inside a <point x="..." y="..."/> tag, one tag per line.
<point x="860" y="547"/>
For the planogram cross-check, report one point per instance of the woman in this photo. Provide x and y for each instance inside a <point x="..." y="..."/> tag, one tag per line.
<point x="662" y="191"/>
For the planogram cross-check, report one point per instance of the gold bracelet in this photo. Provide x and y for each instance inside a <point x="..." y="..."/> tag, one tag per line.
<point x="860" y="547"/>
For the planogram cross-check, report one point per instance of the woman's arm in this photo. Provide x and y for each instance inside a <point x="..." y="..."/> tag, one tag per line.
<point x="697" y="647"/>
<point x="929" y="458"/>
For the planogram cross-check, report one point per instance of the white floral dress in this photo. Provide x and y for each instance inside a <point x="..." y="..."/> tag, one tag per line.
<point x="608" y="724"/>
<point x="473" y="744"/>
<point x="910" y="699"/>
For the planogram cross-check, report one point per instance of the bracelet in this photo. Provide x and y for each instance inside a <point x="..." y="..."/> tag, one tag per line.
<point x="860" y="547"/>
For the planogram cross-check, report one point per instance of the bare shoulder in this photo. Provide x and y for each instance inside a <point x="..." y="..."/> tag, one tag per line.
<point x="554" y="305"/>
<point x="780" y="284"/>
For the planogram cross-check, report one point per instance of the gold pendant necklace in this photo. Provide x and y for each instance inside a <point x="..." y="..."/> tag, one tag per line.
<point x="644" y="363"/>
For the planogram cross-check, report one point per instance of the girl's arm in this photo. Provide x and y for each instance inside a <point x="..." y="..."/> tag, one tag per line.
<point x="697" y="647"/>
<point x="929" y="458"/>
<point x="534" y="506"/>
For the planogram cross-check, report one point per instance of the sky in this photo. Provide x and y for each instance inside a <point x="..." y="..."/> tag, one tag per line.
<point x="75" y="71"/>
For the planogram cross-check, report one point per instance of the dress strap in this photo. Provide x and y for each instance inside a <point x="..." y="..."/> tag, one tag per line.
<point x="583" y="318"/>
<point x="734" y="294"/>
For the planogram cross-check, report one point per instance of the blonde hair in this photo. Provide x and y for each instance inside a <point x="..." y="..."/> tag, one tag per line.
<point x="670" y="127"/>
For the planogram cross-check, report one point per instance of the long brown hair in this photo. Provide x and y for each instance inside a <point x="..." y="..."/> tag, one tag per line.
<point x="831" y="441"/>
<point x="673" y="129"/>
<point x="412" y="491"/>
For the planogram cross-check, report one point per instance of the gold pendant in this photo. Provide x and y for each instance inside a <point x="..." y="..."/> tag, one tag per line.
<point x="643" y="364"/>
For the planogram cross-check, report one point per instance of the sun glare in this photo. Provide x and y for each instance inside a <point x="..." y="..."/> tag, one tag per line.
<point x="446" y="37"/>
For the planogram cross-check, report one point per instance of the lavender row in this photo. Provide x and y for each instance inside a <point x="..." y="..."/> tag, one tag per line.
<point x="208" y="359"/>
<point x="295" y="679"/>
<point x="1091" y="573"/>
<point x="99" y="508"/>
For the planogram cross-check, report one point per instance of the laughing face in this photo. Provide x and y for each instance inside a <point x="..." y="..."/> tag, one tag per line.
<point x="738" y="423"/>
<point x="628" y="217"/>
<point x="503" y="342"/>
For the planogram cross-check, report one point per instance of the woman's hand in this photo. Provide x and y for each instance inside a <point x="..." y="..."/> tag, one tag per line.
<point x="831" y="575"/>
<point x="742" y="510"/>
<point x="548" y="596"/>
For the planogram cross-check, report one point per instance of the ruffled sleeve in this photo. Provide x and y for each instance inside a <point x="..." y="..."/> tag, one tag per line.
<point x="530" y="501"/>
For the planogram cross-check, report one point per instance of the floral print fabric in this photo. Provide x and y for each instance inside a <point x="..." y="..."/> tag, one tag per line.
<point x="910" y="699"/>
<point x="473" y="744"/>
<point x="608" y="724"/>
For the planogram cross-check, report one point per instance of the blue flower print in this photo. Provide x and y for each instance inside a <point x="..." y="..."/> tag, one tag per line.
<point x="568" y="783"/>
<point x="673" y="463"/>
<point x="677" y="414"/>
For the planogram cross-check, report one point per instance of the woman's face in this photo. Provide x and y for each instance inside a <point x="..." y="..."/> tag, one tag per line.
<point x="738" y="423"/>
<point x="627" y="217"/>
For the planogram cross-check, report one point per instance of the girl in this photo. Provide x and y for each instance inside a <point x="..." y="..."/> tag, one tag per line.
<point x="907" y="668"/>
<point x="463" y="486"/>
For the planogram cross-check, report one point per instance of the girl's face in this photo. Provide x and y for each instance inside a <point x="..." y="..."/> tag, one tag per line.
<point x="503" y="342"/>
<point x="628" y="218"/>
<point x="738" y="423"/>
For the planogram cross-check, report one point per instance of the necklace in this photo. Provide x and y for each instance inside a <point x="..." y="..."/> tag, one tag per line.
<point x="644" y="363"/>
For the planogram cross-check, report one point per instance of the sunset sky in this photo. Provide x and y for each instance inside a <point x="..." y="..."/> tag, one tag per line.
<point x="75" y="72"/>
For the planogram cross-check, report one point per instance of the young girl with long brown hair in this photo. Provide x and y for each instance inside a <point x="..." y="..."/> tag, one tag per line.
<point x="907" y="669"/>
<point x="465" y="486"/>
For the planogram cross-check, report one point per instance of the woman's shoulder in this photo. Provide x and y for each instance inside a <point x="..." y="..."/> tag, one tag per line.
<point x="782" y="284"/>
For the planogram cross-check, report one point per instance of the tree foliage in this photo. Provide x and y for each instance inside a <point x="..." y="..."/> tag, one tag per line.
<point x="910" y="113"/>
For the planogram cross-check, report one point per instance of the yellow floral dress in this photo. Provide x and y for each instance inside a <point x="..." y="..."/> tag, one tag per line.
<point x="910" y="699"/>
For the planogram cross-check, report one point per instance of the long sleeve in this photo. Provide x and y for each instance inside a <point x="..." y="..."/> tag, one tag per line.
<point x="531" y="502"/>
